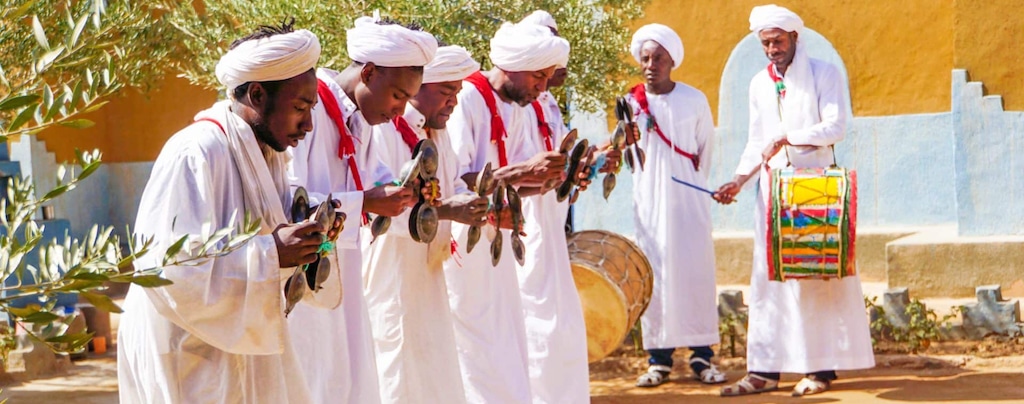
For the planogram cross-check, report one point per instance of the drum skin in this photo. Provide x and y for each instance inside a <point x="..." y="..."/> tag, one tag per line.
<point x="614" y="281"/>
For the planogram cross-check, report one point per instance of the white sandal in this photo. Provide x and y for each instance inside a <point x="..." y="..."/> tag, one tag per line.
<point x="710" y="374"/>
<point x="809" y="386"/>
<point x="656" y="375"/>
<point x="745" y="386"/>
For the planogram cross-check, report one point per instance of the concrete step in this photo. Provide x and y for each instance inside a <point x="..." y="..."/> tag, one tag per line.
<point x="939" y="263"/>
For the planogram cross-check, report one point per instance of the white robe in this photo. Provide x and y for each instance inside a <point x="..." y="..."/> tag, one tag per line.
<point x="336" y="347"/>
<point x="556" y="334"/>
<point x="673" y="221"/>
<point x="218" y="333"/>
<point x="489" y="331"/>
<point x="405" y="288"/>
<point x="800" y="326"/>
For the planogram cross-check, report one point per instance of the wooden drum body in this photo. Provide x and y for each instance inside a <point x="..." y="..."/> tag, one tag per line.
<point x="614" y="281"/>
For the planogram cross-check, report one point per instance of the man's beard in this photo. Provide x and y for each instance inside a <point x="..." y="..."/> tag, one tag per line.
<point x="262" y="130"/>
<point x="517" y="96"/>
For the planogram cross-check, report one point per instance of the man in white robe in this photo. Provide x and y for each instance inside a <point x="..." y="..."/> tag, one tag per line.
<point x="673" y="222"/>
<point x="404" y="279"/>
<point x="336" y="347"/>
<point x="218" y="334"/>
<point x="556" y="333"/>
<point x="813" y="327"/>
<point x="485" y="299"/>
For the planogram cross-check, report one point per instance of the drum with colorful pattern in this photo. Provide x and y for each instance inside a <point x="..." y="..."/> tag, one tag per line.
<point x="812" y="219"/>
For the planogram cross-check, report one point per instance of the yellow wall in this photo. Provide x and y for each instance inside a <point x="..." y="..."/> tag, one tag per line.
<point x="135" y="126"/>
<point x="987" y="36"/>
<point x="898" y="54"/>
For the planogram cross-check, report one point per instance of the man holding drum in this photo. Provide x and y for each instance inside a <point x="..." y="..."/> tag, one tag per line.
<point x="674" y="223"/>
<point x="797" y="112"/>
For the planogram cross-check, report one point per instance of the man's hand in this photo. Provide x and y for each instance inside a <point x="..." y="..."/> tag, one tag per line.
<point x="339" y="221"/>
<point x="612" y="159"/>
<point x="389" y="200"/>
<point x="431" y="191"/>
<point x="506" y="218"/>
<point x="297" y="244"/>
<point x="773" y="148"/>
<point x="583" y="175"/>
<point x="726" y="194"/>
<point x="464" y="208"/>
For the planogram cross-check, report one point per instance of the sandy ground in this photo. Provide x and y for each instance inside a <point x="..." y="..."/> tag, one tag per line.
<point x="991" y="371"/>
<point x="897" y="378"/>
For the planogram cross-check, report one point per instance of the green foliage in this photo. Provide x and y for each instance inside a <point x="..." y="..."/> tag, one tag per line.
<point x="62" y="57"/>
<point x="597" y="29"/>
<point x="923" y="327"/>
<point x="732" y="328"/>
<point x="60" y="60"/>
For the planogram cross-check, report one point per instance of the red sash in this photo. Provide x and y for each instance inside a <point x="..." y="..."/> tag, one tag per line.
<point x="545" y="130"/>
<point x="408" y="134"/>
<point x="215" y="123"/>
<point x="497" y="125"/>
<point x="347" y="149"/>
<point x="639" y="93"/>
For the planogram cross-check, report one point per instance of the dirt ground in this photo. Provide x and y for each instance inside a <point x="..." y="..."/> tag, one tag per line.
<point x="961" y="372"/>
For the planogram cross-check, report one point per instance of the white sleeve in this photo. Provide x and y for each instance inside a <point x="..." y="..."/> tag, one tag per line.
<point x="705" y="137"/>
<point x="234" y="302"/>
<point x="831" y="106"/>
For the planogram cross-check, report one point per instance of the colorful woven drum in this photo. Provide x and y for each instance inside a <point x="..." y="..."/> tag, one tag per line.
<point x="812" y="223"/>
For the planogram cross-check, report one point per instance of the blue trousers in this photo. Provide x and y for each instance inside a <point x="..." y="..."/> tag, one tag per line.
<point x="664" y="357"/>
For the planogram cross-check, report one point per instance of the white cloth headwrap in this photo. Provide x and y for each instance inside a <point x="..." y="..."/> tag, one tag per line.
<point x="772" y="16"/>
<point x="451" y="63"/>
<point x="661" y="34"/>
<point x="527" y="48"/>
<point x="275" y="58"/>
<point x="389" y="45"/>
<point x="540" y="17"/>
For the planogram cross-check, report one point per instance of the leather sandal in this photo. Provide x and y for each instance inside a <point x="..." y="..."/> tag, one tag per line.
<point x="746" y="386"/>
<point x="656" y="375"/>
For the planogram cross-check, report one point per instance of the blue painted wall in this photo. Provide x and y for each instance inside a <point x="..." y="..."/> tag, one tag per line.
<point x="989" y="144"/>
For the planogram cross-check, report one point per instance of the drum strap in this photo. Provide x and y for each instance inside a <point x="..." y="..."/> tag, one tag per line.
<point x="780" y="94"/>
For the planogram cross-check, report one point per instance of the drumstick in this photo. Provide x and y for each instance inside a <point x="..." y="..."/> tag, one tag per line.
<point x="712" y="193"/>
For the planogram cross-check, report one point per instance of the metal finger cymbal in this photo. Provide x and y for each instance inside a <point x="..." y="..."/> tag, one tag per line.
<point x="300" y="205"/>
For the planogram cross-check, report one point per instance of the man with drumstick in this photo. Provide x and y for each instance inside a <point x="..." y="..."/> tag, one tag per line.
<point x="673" y="223"/>
<point x="813" y="327"/>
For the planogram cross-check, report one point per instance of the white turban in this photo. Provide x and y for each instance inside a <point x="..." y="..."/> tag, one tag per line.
<point x="527" y="48"/>
<point x="661" y="34"/>
<point x="451" y="63"/>
<point x="274" y="58"/>
<point x="389" y="45"/>
<point x="772" y="16"/>
<point x="540" y="17"/>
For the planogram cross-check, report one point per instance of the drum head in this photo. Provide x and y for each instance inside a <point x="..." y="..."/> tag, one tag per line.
<point x="604" y="311"/>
